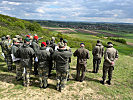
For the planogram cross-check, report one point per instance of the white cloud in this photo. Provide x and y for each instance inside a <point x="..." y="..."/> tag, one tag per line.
<point x="11" y="3"/>
<point x="40" y="10"/>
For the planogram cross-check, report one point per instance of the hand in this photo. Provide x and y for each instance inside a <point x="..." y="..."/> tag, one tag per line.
<point x="112" y="63"/>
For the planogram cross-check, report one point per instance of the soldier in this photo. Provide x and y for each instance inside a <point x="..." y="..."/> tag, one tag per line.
<point x="82" y="56"/>
<point x="61" y="41"/>
<point x="2" y="42"/>
<point x="48" y="48"/>
<point x="97" y="52"/>
<point x="14" y="49"/>
<point x="35" y="47"/>
<point x="67" y="49"/>
<point x="7" y="52"/>
<point x="26" y="54"/>
<point x="43" y="57"/>
<point x="61" y="58"/>
<point x="53" y="45"/>
<point x="110" y="56"/>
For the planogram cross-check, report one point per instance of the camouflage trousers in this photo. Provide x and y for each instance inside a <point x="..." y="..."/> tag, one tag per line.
<point x="9" y="61"/>
<point x="61" y="79"/>
<point x="108" y="69"/>
<point x="26" y="76"/>
<point x="43" y="76"/>
<point x="96" y="63"/>
<point x="82" y="68"/>
<point x="19" y="70"/>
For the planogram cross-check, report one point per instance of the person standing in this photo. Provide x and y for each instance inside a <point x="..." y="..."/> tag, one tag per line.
<point x="14" y="49"/>
<point x="7" y="52"/>
<point x="82" y="55"/>
<point x="43" y="57"/>
<point x="26" y="53"/>
<point x="61" y="58"/>
<point x="35" y="47"/>
<point x="97" y="52"/>
<point x="110" y="56"/>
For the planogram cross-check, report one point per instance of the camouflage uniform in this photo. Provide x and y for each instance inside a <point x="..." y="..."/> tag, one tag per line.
<point x="19" y="71"/>
<point x="48" y="48"/>
<point x="26" y="54"/>
<point x="110" y="55"/>
<point x="7" y="53"/>
<point x="43" y="66"/>
<point x="61" y="58"/>
<point x="35" y="47"/>
<point x="2" y="43"/>
<point x="82" y="56"/>
<point x="97" y="52"/>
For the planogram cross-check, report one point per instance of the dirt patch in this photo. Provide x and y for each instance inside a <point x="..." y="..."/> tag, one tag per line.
<point x="129" y="43"/>
<point x="98" y="33"/>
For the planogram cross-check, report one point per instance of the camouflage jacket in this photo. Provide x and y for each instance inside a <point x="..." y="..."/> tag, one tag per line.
<point x="82" y="55"/>
<point x="7" y="46"/>
<point x="43" y="57"/>
<point x="26" y="54"/>
<point x="61" y="58"/>
<point x="110" y="55"/>
<point x="35" y="46"/>
<point x="98" y="51"/>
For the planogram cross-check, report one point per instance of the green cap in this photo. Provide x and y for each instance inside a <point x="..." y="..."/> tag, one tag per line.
<point x="27" y="40"/>
<point x="65" y="40"/>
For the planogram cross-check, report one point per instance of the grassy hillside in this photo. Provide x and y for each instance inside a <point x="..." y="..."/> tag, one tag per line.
<point x="90" y="89"/>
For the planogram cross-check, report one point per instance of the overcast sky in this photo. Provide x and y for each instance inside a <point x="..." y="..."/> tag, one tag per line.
<point x="70" y="10"/>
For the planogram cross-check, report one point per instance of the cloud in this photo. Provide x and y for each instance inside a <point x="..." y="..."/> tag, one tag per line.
<point x="11" y="3"/>
<point x="70" y="10"/>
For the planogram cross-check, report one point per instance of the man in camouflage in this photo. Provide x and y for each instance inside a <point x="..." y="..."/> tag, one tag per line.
<point x="7" y="52"/>
<point x="110" y="56"/>
<point x="61" y="58"/>
<point x="67" y="49"/>
<point x="48" y="48"/>
<point x="26" y="54"/>
<point x="14" y="49"/>
<point x="43" y="57"/>
<point x="97" y="52"/>
<point x="35" y="47"/>
<point x="82" y="55"/>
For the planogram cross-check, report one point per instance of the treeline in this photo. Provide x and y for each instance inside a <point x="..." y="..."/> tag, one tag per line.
<point x="119" y="27"/>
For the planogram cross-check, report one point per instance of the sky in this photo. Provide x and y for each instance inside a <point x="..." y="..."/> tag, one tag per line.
<point x="120" y="11"/>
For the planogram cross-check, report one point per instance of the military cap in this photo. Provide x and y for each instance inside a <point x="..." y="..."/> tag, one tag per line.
<point x="65" y="40"/>
<point x="82" y="43"/>
<point x="110" y="44"/>
<point x="98" y="41"/>
<point x="43" y="43"/>
<point x="35" y="37"/>
<point x="27" y="40"/>
<point x="61" y="39"/>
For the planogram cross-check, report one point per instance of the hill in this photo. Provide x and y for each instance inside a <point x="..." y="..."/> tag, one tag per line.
<point x="122" y="81"/>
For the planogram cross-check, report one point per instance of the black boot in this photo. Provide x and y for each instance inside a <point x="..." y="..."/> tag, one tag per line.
<point x="102" y="82"/>
<point x="108" y="82"/>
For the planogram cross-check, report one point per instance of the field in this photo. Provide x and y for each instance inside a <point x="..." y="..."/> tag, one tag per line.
<point x="90" y="89"/>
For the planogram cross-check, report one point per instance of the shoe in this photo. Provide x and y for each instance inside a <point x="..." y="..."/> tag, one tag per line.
<point x="108" y="82"/>
<point x="102" y="82"/>
<point x="93" y="71"/>
<point x="81" y="80"/>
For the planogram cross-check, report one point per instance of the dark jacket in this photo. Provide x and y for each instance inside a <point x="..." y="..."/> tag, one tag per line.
<point x="82" y="55"/>
<point x="61" y="58"/>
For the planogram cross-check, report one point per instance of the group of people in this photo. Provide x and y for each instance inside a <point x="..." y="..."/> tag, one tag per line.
<point x="28" y="53"/>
